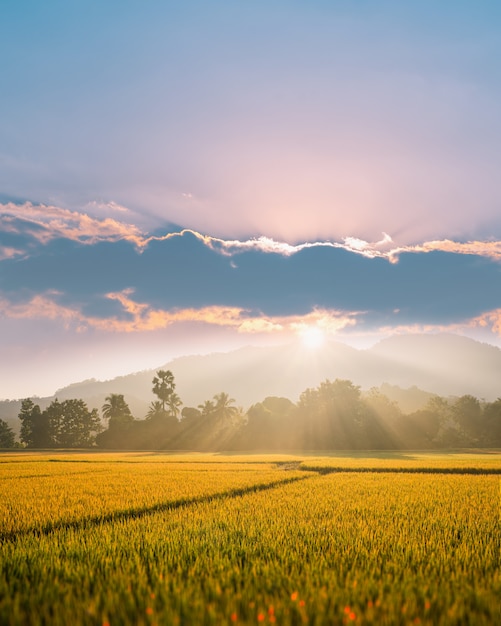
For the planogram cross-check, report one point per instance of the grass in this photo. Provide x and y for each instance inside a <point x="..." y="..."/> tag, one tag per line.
<point x="131" y="538"/>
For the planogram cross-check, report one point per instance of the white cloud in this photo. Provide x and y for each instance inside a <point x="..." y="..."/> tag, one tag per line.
<point x="45" y="223"/>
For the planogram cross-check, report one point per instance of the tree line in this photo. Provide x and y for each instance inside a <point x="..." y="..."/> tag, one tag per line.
<point x="336" y="415"/>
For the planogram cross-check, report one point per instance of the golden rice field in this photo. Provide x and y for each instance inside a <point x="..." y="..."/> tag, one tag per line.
<point x="140" y="538"/>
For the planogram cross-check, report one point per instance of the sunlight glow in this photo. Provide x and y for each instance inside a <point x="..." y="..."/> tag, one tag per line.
<point x="312" y="337"/>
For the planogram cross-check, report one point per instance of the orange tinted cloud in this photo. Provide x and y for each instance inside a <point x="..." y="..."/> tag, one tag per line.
<point x="490" y="249"/>
<point x="41" y="307"/>
<point x="146" y="318"/>
<point x="142" y="317"/>
<point x="8" y="252"/>
<point x="51" y="222"/>
<point x="490" y="320"/>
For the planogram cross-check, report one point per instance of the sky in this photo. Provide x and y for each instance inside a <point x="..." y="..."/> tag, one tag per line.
<point x="187" y="177"/>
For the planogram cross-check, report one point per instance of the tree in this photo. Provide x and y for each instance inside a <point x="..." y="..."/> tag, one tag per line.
<point x="173" y="404"/>
<point x="190" y="413"/>
<point x="54" y="416"/>
<point x="492" y="421"/>
<point x="388" y="410"/>
<point x="116" y="410"/>
<point x="380" y="417"/>
<point x="224" y="406"/>
<point x="163" y="386"/>
<point x="35" y="425"/>
<point x="419" y="429"/>
<point x="330" y="416"/>
<point x="67" y="424"/>
<point x="155" y="410"/>
<point x="7" y="439"/>
<point x="161" y="426"/>
<point x="449" y="434"/>
<point x="467" y="412"/>
<point x="77" y="425"/>
<point x="211" y="427"/>
<point x="207" y="407"/>
<point x="268" y="425"/>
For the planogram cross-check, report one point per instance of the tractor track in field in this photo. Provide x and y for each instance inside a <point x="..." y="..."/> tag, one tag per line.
<point x="310" y="471"/>
<point x="141" y="512"/>
<point x="467" y="471"/>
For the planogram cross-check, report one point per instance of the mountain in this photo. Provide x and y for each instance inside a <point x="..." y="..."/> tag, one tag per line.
<point x="446" y="365"/>
<point x="443" y="364"/>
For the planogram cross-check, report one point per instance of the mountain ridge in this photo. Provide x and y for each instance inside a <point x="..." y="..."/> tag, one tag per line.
<point x="441" y="364"/>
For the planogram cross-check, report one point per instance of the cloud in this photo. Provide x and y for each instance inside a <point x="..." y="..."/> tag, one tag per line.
<point x="8" y="252"/>
<point x="103" y="273"/>
<point x="385" y="248"/>
<point x="147" y="318"/>
<point x="82" y="258"/>
<point x="106" y="207"/>
<point x="45" y="223"/>
<point x="41" y="306"/>
<point x="490" y="249"/>
<point x="490" y="320"/>
<point x="142" y="317"/>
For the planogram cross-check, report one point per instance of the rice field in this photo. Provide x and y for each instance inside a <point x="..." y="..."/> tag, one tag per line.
<point x="131" y="538"/>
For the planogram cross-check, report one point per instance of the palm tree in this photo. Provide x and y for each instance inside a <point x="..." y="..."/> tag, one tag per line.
<point x="116" y="409"/>
<point x="173" y="404"/>
<point x="155" y="409"/>
<point x="207" y="407"/>
<point x="163" y="386"/>
<point x="223" y="406"/>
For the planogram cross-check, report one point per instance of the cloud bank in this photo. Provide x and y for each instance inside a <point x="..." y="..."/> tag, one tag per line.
<point x="42" y="224"/>
<point x="108" y="274"/>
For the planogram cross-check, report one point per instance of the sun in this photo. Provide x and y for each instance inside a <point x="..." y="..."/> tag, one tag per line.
<point x="312" y="337"/>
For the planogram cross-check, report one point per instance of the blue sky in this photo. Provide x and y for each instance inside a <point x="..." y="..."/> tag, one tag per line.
<point x="181" y="177"/>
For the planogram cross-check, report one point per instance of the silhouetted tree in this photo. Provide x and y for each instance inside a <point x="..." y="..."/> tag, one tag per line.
<point x="67" y="424"/>
<point x="386" y="409"/>
<point x="330" y="416"/>
<point x="207" y="407"/>
<point x="161" y="427"/>
<point x="224" y="406"/>
<point x="35" y="426"/>
<point x="268" y="426"/>
<point x="190" y="413"/>
<point x="449" y="433"/>
<point x="117" y="411"/>
<point x="492" y="424"/>
<point x="163" y="386"/>
<point x="77" y="426"/>
<point x="7" y="438"/>
<point x="379" y="421"/>
<point x="190" y="427"/>
<point x="54" y="416"/>
<point x="419" y="429"/>
<point x="156" y="410"/>
<point x="173" y="404"/>
<point x="211" y="427"/>
<point x="467" y="412"/>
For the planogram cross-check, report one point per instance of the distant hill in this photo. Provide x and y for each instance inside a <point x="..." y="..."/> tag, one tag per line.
<point x="409" y="400"/>
<point x="411" y="368"/>
<point x="443" y="364"/>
